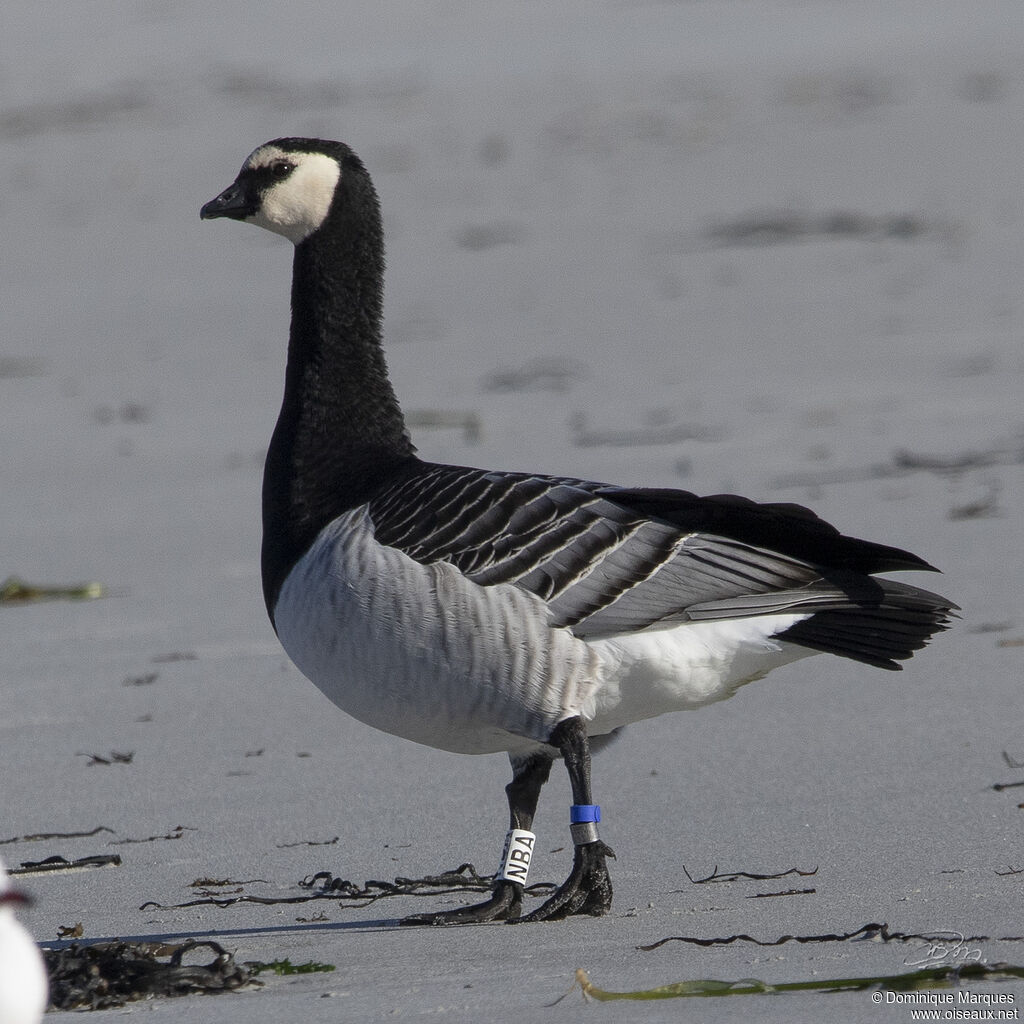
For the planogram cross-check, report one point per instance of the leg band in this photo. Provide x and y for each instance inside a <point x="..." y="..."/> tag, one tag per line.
<point x="584" y="832"/>
<point x="583" y="819"/>
<point x="516" y="857"/>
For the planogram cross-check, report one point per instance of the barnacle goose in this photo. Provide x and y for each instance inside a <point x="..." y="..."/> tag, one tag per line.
<point x="479" y="611"/>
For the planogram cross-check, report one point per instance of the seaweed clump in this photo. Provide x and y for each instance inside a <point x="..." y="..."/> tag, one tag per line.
<point x="108" y="974"/>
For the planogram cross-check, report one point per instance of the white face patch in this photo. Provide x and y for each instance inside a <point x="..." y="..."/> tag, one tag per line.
<point x="296" y="206"/>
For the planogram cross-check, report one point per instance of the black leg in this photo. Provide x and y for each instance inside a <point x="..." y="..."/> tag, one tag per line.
<point x="528" y="777"/>
<point x="588" y="889"/>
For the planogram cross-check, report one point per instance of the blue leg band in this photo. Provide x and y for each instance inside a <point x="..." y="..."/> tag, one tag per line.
<point x="583" y="819"/>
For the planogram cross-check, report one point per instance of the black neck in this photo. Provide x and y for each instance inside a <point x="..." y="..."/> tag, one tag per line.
<point x="340" y="433"/>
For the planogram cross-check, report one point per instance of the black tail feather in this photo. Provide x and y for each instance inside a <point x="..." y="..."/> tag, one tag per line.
<point x="880" y="633"/>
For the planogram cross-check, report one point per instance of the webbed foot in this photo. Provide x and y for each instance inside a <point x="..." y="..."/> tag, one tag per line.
<point x="505" y="904"/>
<point x="587" y="890"/>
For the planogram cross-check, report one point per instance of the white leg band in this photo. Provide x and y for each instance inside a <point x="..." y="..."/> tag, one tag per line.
<point x="516" y="857"/>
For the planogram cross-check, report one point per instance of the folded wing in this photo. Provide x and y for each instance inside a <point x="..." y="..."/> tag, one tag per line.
<point x="612" y="561"/>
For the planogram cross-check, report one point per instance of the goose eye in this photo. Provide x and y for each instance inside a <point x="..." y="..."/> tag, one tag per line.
<point x="280" y="169"/>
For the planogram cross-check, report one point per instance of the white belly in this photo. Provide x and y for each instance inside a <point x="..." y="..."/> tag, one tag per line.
<point x="685" y="667"/>
<point x="421" y="652"/>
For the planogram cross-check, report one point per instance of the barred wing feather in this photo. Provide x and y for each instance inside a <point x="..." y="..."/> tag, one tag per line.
<point x="611" y="561"/>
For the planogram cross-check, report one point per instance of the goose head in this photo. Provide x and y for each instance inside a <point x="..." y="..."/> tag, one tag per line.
<point x="286" y="186"/>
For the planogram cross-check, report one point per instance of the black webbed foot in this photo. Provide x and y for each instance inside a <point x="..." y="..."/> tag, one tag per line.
<point x="587" y="890"/>
<point x="505" y="904"/>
